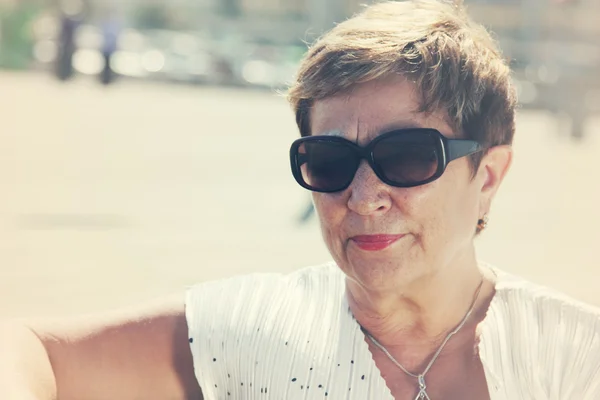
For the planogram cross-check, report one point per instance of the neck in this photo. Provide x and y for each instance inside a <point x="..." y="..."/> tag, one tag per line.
<point x="422" y="312"/>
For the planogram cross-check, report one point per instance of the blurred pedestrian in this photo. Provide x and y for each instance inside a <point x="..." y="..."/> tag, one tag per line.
<point x="110" y="27"/>
<point x="71" y="14"/>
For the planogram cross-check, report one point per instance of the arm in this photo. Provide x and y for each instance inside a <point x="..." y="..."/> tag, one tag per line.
<point x="141" y="353"/>
<point x="25" y="371"/>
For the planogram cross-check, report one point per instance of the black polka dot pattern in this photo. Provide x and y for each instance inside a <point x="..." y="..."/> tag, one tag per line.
<point x="264" y="389"/>
<point x="294" y="380"/>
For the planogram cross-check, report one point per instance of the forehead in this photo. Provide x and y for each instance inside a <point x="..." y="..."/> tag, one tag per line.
<point x="372" y="108"/>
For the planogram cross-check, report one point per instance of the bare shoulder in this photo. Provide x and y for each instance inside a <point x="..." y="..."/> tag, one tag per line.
<point x="139" y="352"/>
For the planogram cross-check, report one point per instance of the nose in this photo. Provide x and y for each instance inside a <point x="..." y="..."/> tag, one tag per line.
<point x="368" y="194"/>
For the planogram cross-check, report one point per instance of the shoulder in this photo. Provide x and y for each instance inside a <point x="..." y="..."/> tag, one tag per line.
<point x="551" y="338"/>
<point x="243" y="329"/>
<point x="540" y="341"/>
<point x="215" y="299"/>
<point x="520" y="296"/>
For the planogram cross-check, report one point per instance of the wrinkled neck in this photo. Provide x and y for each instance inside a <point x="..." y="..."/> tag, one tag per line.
<point x="418" y="317"/>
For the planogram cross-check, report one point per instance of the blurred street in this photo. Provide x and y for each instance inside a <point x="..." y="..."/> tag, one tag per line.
<point x="115" y="195"/>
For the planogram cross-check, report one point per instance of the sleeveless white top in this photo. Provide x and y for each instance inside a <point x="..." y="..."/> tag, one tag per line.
<point x="271" y="336"/>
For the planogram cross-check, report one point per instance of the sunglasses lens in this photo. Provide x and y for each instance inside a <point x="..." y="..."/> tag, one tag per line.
<point x="407" y="159"/>
<point x="327" y="166"/>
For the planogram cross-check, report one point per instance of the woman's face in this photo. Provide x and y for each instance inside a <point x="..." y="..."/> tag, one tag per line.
<point x="435" y="223"/>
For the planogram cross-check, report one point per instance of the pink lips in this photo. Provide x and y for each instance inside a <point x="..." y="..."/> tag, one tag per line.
<point x="375" y="242"/>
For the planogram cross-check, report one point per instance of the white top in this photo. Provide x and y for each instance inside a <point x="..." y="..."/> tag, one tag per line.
<point x="271" y="336"/>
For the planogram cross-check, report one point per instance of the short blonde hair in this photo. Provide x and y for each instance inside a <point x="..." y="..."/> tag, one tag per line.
<point x="453" y="61"/>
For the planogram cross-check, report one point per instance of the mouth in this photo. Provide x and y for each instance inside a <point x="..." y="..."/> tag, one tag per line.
<point x="375" y="242"/>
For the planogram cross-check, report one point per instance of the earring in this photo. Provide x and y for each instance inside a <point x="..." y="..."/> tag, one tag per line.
<point x="482" y="223"/>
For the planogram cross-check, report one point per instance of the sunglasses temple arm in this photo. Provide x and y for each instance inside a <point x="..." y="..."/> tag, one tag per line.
<point x="458" y="148"/>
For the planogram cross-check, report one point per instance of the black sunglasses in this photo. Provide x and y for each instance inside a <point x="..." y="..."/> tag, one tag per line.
<point x="400" y="158"/>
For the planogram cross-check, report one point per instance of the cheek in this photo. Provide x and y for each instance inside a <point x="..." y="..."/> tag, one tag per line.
<point x="462" y="194"/>
<point x="454" y="205"/>
<point x="442" y="210"/>
<point x="331" y="210"/>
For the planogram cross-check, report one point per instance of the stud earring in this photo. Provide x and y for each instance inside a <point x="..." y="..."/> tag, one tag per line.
<point x="482" y="223"/>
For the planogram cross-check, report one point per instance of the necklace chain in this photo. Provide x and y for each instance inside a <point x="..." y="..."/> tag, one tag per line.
<point x="421" y="377"/>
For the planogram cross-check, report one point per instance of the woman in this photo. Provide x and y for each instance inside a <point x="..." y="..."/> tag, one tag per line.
<point x="407" y="116"/>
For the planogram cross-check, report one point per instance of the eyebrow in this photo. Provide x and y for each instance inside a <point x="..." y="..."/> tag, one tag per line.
<point x="396" y="125"/>
<point x="401" y="125"/>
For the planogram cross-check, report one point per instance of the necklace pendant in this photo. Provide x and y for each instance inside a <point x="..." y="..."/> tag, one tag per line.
<point x="422" y="395"/>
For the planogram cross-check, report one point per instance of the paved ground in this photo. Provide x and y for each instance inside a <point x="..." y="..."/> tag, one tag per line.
<point x="116" y="195"/>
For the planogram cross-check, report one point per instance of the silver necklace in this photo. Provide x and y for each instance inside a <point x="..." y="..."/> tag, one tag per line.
<point x="422" y="395"/>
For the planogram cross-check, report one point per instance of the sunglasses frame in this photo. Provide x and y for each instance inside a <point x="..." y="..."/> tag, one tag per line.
<point x="448" y="149"/>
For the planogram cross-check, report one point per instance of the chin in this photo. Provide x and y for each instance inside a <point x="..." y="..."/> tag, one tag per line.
<point x="378" y="274"/>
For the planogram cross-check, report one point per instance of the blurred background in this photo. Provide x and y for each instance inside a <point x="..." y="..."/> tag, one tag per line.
<point x="144" y="146"/>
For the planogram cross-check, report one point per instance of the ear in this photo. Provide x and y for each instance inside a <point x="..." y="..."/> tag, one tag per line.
<point x="490" y="175"/>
